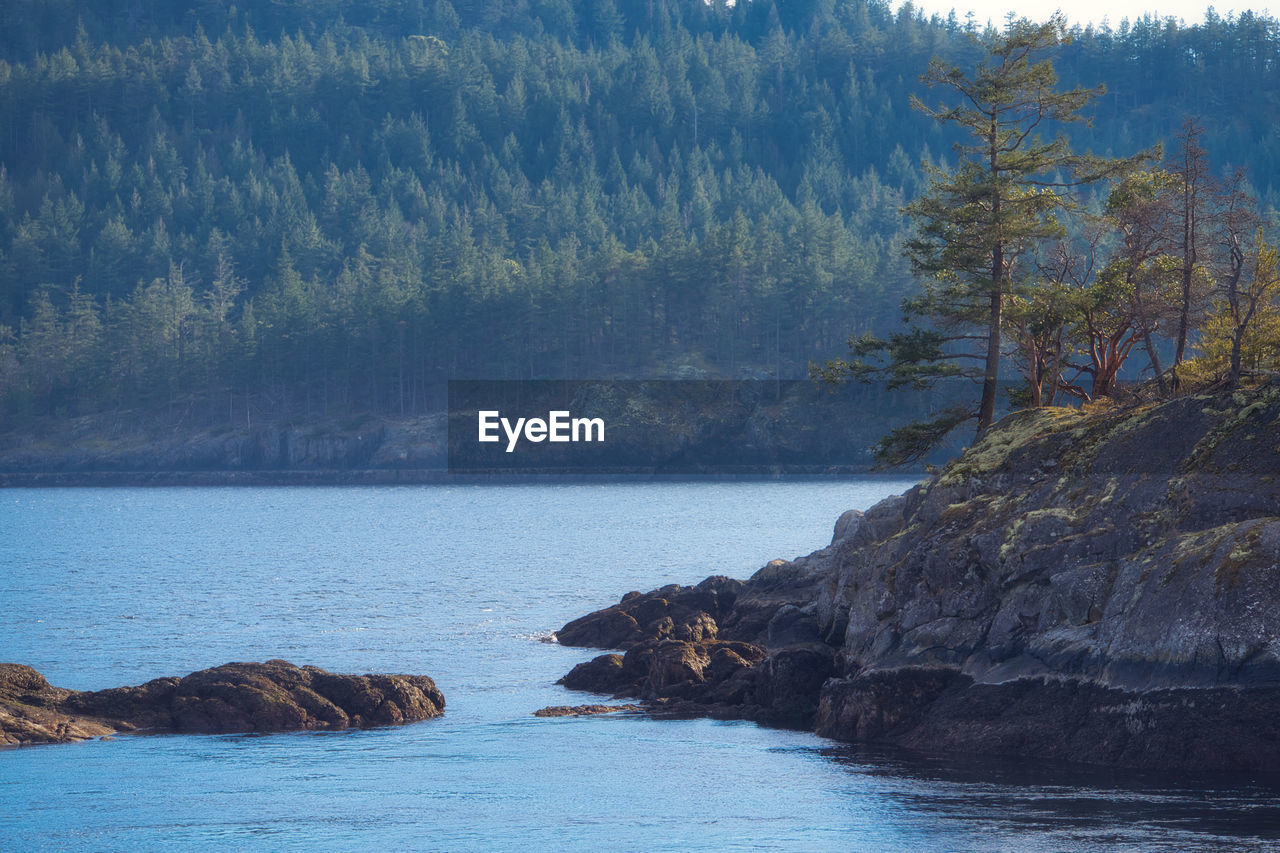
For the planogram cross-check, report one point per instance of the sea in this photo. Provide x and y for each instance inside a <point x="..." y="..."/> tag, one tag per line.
<point x="102" y="587"/>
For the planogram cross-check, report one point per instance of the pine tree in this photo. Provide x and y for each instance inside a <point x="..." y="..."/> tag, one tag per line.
<point x="974" y="223"/>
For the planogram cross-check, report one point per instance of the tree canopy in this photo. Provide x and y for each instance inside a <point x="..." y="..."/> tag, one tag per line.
<point x="325" y="206"/>
<point x="977" y="223"/>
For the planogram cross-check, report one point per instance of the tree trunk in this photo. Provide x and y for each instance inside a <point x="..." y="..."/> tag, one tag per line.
<point x="1155" y="362"/>
<point x="1188" y="270"/>
<point x="1237" y="327"/>
<point x="991" y="377"/>
<point x="1233" y="378"/>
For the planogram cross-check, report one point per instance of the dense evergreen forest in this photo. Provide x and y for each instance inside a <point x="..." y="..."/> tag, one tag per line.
<point x="295" y="210"/>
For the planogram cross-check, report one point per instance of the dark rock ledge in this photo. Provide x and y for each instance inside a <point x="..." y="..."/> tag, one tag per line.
<point x="1100" y="587"/>
<point x="586" y="710"/>
<point x="236" y="697"/>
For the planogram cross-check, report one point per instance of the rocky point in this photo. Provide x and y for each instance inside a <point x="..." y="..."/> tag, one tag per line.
<point x="1098" y="586"/>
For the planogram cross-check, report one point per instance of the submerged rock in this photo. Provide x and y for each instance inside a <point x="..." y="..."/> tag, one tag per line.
<point x="1101" y="587"/>
<point x="235" y="697"/>
<point x="585" y="710"/>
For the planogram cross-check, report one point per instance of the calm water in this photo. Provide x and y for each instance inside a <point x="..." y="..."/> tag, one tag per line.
<point x="102" y="587"/>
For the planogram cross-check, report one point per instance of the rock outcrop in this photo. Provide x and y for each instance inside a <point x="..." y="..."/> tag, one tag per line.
<point x="1096" y="586"/>
<point x="679" y="612"/>
<point x="705" y="649"/>
<point x="235" y="697"/>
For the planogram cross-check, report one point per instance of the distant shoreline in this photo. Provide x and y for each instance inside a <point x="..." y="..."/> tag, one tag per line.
<point x="410" y="477"/>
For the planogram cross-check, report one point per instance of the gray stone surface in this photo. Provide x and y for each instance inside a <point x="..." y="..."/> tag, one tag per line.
<point x="1099" y="586"/>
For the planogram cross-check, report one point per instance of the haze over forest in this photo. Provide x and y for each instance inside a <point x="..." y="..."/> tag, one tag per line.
<point x="313" y="208"/>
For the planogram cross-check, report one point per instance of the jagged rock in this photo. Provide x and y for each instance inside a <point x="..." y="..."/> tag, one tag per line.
<point x="235" y="697"/>
<point x="611" y="628"/>
<point x="676" y="666"/>
<point x="782" y="585"/>
<point x="789" y="683"/>
<point x="697" y="628"/>
<point x="847" y="525"/>
<point x="728" y="659"/>
<point x="666" y="668"/>
<point x="680" y="612"/>
<point x="603" y="674"/>
<point x="791" y="625"/>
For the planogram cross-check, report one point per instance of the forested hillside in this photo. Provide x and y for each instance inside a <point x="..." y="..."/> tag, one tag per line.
<point x="301" y="209"/>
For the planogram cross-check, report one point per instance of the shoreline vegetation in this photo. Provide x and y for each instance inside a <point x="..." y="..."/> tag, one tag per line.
<point x="292" y="212"/>
<point x="406" y="477"/>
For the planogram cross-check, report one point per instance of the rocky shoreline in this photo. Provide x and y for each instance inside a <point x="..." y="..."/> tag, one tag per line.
<point x="399" y="477"/>
<point x="355" y="477"/>
<point x="1101" y="587"/>
<point x="274" y="696"/>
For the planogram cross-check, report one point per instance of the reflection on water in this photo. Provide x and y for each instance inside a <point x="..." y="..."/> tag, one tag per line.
<point x="1039" y="804"/>
<point x="102" y="587"/>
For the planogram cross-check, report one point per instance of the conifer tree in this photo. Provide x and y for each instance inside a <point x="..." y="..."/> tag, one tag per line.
<point x="975" y="222"/>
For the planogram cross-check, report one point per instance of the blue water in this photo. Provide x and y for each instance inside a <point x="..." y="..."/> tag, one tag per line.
<point x="102" y="587"/>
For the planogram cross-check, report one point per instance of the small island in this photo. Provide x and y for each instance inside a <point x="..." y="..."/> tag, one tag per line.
<point x="274" y="696"/>
<point x="1095" y="585"/>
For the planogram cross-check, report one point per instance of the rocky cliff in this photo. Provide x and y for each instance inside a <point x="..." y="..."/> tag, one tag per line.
<point x="234" y="697"/>
<point x="1096" y="586"/>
